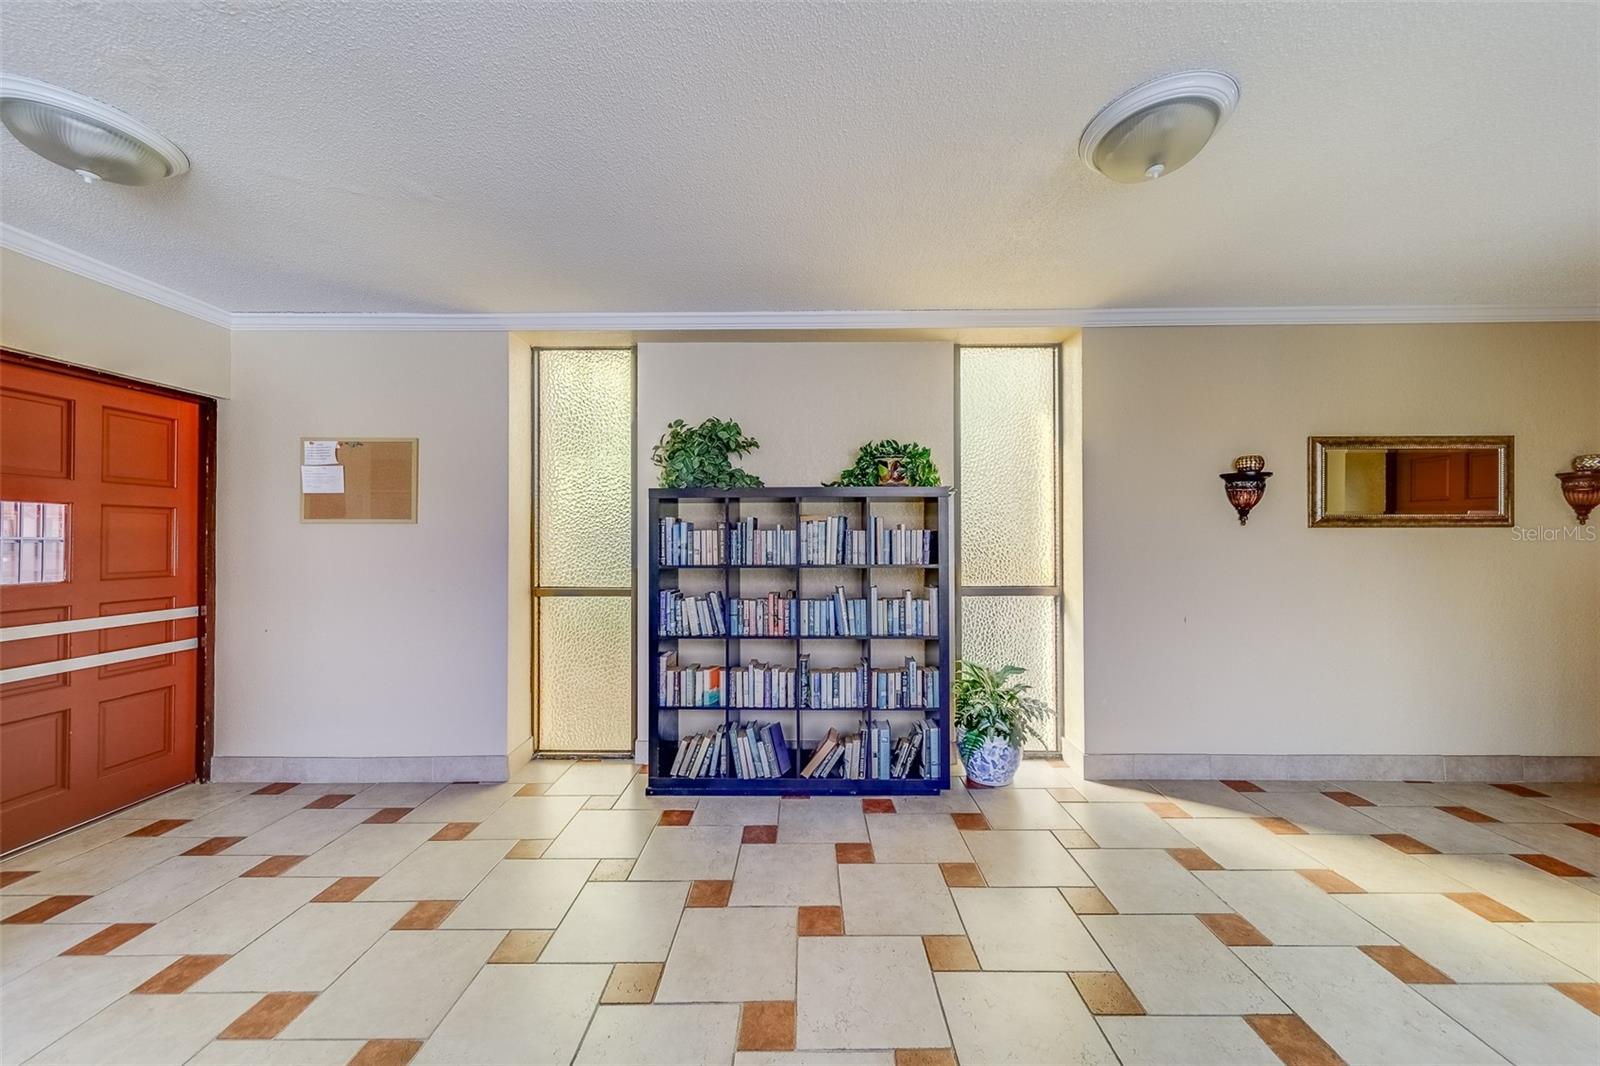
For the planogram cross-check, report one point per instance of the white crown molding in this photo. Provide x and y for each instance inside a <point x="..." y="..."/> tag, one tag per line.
<point x="778" y="321"/>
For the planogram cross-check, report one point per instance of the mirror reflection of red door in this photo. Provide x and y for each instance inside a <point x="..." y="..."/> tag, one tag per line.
<point x="99" y="597"/>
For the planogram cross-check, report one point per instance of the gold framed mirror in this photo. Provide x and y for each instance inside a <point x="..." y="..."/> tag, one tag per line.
<point x="1409" y="481"/>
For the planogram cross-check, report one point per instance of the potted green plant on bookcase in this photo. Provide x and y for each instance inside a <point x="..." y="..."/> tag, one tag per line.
<point x="994" y="717"/>
<point x="694" y="457"/>
<point x="888" y="462"/>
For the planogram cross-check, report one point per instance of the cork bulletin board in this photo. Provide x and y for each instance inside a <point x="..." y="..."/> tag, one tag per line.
<point x="379" y="480"/>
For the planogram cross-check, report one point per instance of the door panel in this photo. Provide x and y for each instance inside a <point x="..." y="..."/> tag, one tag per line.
<point x="127" y="465"/>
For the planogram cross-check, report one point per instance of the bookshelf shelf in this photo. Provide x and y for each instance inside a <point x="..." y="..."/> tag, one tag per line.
<point x="716" y="515"/>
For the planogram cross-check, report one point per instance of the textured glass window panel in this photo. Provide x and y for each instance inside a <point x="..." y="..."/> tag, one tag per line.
<point x="1008" y="468"/>
<point x="585" y="487"/>
<point x="585" y="673"/>
<point x="1016" y="631"/>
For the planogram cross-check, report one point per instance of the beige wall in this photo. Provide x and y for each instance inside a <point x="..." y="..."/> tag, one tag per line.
<point x="519" y="543"/>
<point x="50" y="312"/>
<point x="1278" y="639"/>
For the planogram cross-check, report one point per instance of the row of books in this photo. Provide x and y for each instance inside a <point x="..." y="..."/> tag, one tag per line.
<point x="861" y="686"/>
<point x="874" y="754"/>
<point x="739" y="750"/>
<point x="691" y="616"/>
<point x="764" y="685"/>
<point x="899" y="546"/>
<point x="752" y="546"/>
<point x="822" y="541"/>
<point x="712" y="615"/>
<point x="680" y="544"/>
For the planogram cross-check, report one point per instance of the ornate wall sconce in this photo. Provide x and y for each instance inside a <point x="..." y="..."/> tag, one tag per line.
<point x="1581" y="486"/>
<point x="1246" y="485"/>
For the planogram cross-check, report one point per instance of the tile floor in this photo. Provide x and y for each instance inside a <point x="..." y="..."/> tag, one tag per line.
<point x="566" y="917"/>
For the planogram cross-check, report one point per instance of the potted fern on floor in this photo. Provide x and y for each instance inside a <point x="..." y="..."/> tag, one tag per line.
<point x="994" y="717"/>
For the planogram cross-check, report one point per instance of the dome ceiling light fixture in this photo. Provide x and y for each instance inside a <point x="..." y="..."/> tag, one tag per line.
<point x="94" y="141"/>
<point x="1148" y="132"/>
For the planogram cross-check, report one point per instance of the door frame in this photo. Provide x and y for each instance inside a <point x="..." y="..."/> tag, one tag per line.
<point x="205" y="659"/>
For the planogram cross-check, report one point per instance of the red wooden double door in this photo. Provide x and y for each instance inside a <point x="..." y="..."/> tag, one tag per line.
<point x="100" y="595"/>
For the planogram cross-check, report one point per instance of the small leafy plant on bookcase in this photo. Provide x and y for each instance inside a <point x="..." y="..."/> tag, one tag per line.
<point x="799" y="640"/>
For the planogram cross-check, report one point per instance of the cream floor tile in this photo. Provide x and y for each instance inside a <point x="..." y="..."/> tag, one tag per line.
<point x="463" y="803"/>
<point x="1290" y="910"/>
<point x="896" y="900"/>
<point x="1316" y="813"/>
<point x="10" y="905"/>
<point x="399" y="989"/>
<point x="1392" y="793"/>
<point x="1117" y="791"/>
<point x="312" y="789"/>
<point x="688" y="853"/>
<point x="604" y="835"/>
<point x="1536" y="894"/>
<point x="439" y="869"/>
<point x="530" y="818"/>
<point x="1126" y="825"/>
<point x="786" y="875"/>
<point x="541" y="771"/>
<point x="22" y="947"/>
<point x="367" y="850"/>
<point x="190" y="801"/>
<point x="394" y="794"/>
<point x="1441" y="831"/>
<point x="1022" y="858"/>
<point x="1240" y="844"/>
<point x="522" y="894"/>
<point x="1137" y="881"/>
<point x="301" y="833"/>
<point x="866" y="992"/>
<point x="100" y="869"/>
<point x="730" y="955"/>
<point x="1457" y="941"/>
<point x="1186" y="1042"/>
<point x="1022" y="808"/>
<point x="1268" y="785"/>
<point x="277" y="1053"/>
<point x="916" y="838"/>
<point x="813" y="1058"/>
<point x="953" y="800"/>
<point x="619" y="921"/>
<point x="71" y="845"/>
<point x="1374" y="865"/>
<point x="1562" y="841"/>
<point x="307" y="951"/>
<point x="735" y="810"/>
<point x="147" y="1029"/>
<point x="1583" y="806"/>
<point x="523" y="1014"/>
<point x="1499" y="804"/>
<point x="1529" y="1025"/>
<point x="1209" y="799"/>
<point x="680" y="1034"/>
<point x="594" y="779"/>
<point x="635" y="797"/>
<point x="821" y="820"/>
<point x="1020" y="1018"/>
<point x="1577" y="944"/>
<point x="1038" y="773"/>
<point x="1360" y="1009"/>
<point x="1174" y="965"/>
<point x="1026" y="929"/>
<point x="243" y="816"/>
<point x="51" y="999"/>
<point x="160" y="891"/>
<point x="224" y="921"/>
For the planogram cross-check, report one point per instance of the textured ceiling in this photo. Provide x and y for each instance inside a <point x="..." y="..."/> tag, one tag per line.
<point x="472" y="157"/>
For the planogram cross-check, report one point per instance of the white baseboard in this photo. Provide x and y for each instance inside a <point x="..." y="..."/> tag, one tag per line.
<point x="360" y="770"/>
<point x="1174" y="767"/>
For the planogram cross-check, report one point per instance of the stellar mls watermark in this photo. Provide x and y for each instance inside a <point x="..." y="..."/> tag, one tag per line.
<point x="1555" y="534"/>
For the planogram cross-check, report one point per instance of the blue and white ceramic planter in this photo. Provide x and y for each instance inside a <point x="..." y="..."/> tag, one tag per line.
<point x="994" y="764"/>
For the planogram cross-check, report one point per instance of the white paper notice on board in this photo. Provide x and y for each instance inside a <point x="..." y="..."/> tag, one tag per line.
<point x="321" y="453"/>
<point x="321" y="479"/>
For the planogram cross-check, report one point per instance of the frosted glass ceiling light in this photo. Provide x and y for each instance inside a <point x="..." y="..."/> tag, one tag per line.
<point x="1151" y="131"/>
<point x="96" y="142"/>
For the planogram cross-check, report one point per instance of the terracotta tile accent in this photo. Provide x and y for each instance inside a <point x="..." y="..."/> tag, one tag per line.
<point x="767" y="1026"/>
<point x="632" y="982"/>
<point x="924" y="1056"/>
<point x="1292" y="1040"/>
<point x="387" y="815"/>
<point x="852" y="853"/>
<point x="1087" y="901"/>
<point x="676" y="817"/>
<point x="821" y="921"/>
<point x="1234" y="931"/>
<point x="44" y="910"/>
<point x="1405" y="964"/>
<point x="344" y="890"/>
<point x="521" y="945"/>
<point x="426" y="914"/>
<point x="759" y="834"/>
<point x="1585" y="827"/>
<point x="180" y="975"/>
<point x="1281" y="826"/>
<point x="1106" y="993"/>
<point x="527" y="849"/>
<point x="11" y="877"/>
<point x="1349" y="799"/>
<point x="877" y="805"/>
<point x="386" y="1053"/>
<point x="1485" y="907"/>
<point x="1407" y="844"/>
<point x="969" y="820"/>
<point x="155" y="829"/>
<point x="1586" y="993"/>
<point x="535" y="789"/>
<point x="1244" y="786"/>
<point x="709" y="894"/>
<point x="329" y="800"/>
<point x="213" y="846"/>
<point x="1194" y="859"/>
<point x="1523" y="790"/>
<point x="950" y="953"/>
<point x="269" y="1017"/>
<point x="1467" y="814"/>
<point x="275" y="866"/>
<point x="454" y="831"/>
<point x="1166" y="809"/>
<point x="277" y="788"/>
<point x="112" y="936"/>
<point x="1065" y="795"/>
<point x="1330" y="882"/>
<point x="1552" y="865"/>
<point x="962" y="875"/>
